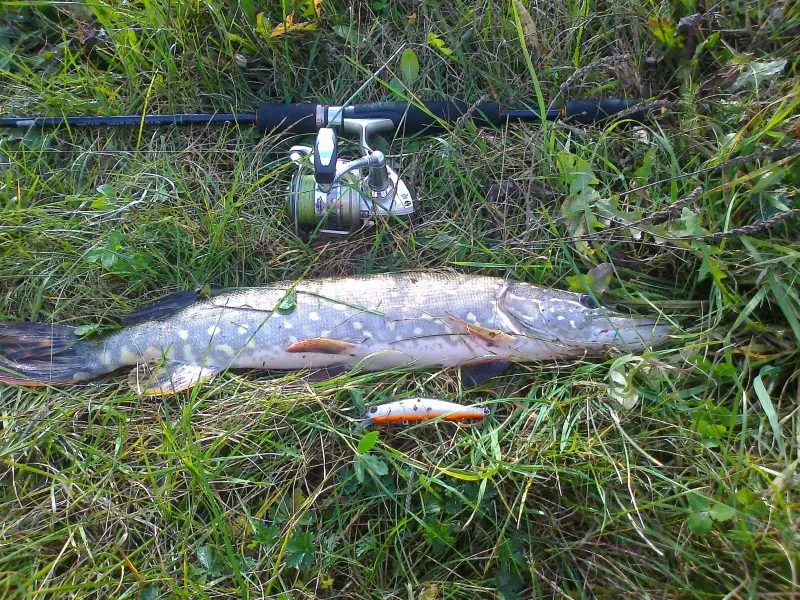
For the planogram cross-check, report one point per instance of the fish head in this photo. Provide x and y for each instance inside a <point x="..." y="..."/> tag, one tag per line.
<point x="578" y="321"/>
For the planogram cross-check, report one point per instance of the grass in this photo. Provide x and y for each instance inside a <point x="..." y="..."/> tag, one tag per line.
<point x="255" y="487"/>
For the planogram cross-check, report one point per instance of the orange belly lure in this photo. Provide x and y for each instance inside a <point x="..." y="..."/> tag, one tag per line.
<point x="422" y="409"/>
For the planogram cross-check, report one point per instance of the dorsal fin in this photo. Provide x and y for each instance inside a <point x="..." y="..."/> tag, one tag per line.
<point x="166" y="306"/>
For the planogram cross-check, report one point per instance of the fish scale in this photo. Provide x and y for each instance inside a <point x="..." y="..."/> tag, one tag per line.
<point x="440" y="319"/>
<point x="244" y="329"/>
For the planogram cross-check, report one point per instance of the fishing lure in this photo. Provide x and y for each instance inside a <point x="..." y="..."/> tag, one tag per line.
<point x="422" y="409"/>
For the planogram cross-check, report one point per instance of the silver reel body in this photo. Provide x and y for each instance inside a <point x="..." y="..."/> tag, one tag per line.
<point x="334" y="196"/>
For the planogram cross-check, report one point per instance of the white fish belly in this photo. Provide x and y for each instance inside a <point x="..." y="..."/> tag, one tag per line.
<point x="434" y="351"/>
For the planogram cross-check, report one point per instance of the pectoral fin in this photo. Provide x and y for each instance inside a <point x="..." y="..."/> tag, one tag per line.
<point x="493" y="337"/>
<point x="168" y="378"/>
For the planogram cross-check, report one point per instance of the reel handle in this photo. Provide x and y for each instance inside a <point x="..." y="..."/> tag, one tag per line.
<point x="326" y="153"/>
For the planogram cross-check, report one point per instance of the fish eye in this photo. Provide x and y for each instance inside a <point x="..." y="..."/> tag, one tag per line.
<point x="589" y="302"/>
<point x="373" y="409"/>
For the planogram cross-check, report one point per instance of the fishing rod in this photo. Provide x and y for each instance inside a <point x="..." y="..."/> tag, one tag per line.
<point x="331" y="195"/>
<point x="307" y="118"/>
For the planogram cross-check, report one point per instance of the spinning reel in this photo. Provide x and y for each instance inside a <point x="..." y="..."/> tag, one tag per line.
<point x="331" y="195"/>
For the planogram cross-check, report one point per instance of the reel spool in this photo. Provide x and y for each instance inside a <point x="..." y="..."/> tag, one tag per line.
<point x="330" y="195"/>
<point x="339" y="210"/>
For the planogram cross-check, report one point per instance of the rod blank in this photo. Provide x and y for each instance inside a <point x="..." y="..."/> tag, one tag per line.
<point x="306" y="118"/>
<point x="129" y="120"/>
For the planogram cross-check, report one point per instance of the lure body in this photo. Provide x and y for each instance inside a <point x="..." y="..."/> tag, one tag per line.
<point x="422" y="409"/>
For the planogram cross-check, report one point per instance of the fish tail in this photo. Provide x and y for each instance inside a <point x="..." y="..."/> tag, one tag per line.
<point x="36" y="354"/>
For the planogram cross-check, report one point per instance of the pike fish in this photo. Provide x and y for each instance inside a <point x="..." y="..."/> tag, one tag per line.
<point x="428" y="319"/>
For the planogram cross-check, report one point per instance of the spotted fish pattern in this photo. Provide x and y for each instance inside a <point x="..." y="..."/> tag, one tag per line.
<point x="372" y="322"/>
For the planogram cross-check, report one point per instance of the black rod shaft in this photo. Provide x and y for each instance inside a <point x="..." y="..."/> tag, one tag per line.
<point x="582" y="111"/>
<point x="130" y="120"/>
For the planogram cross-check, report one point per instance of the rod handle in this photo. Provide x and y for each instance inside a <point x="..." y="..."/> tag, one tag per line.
<point x="590" y="111"/>
<point x="287" y="118"/>
<point x="411" y="119"/>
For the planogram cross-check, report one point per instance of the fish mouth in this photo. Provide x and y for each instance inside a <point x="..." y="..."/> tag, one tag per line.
<point x="629" y="334"/>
